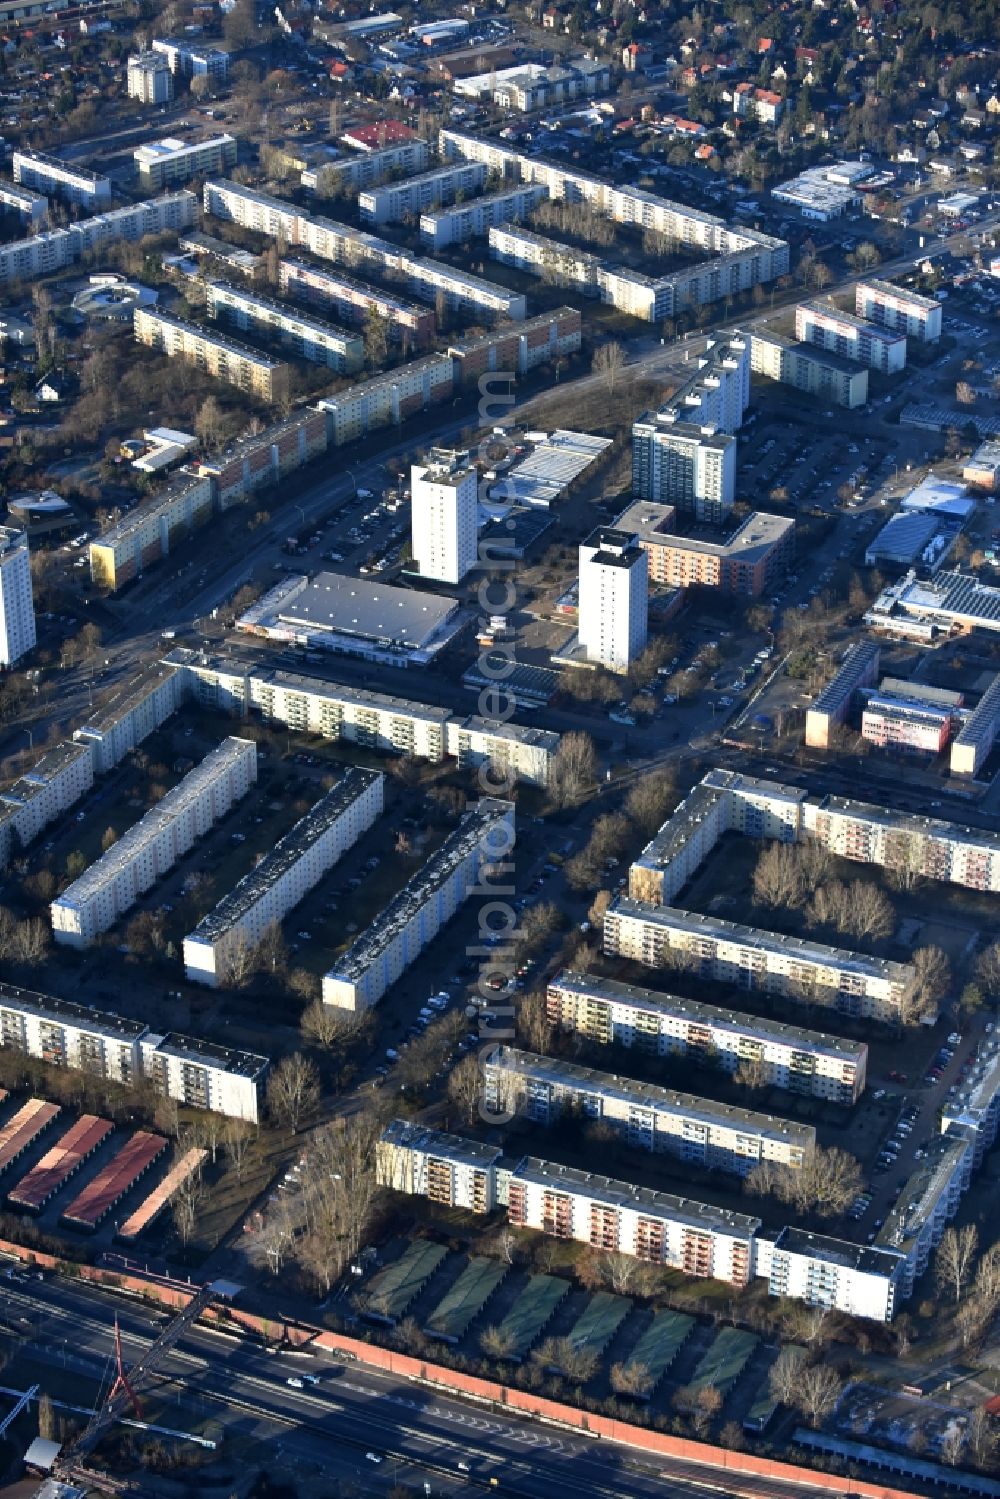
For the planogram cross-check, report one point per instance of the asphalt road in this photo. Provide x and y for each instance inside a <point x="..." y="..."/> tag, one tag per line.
<point x="355" y="1410"/>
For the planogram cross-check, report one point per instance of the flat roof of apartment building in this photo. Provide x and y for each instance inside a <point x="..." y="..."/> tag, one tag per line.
<point x="752" y="541"/>
<point x="796" y="948"/>
<point x="859" y="657"/>
<point x="861" y="1257"/>
<point x="143" y="513"/>
<point x="649" y="1095"/>
<point x="287" y="311"/>
<point x="404" y="1134"/>
<point x="829" y="312"/>
<point x="976" y="1095"/>
<point x="645" y="1200"/>
<point x="211" y="335"/>
<point x="34" y="781"/>
<point x="121" y="854"/>
<point x="116" y="707"/>
<point x="207" y="1054"/>
<point x="67" y="1012"/>
<point x="595" y="987"/>
<point x="391" y="920"/>
<point x="921" y="1192"/>
<point x="813" y="352"/>
<point x="899" y="293"/>
<point x="516" y="733"/>
<point x="70" y="168"/>
<point x="286" y="852"/>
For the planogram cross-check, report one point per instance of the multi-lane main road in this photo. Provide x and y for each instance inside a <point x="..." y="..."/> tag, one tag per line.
<point x="418" y="1433"/>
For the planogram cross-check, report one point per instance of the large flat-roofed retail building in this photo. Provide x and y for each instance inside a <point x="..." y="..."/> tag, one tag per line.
<point x="356" y="617"/>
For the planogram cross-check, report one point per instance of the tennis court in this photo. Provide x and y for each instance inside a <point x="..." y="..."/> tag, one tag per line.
<point x="532" y="1311"/>
<point x="724" y="1362"/>
<point x="397" y="1286"/>
<point x="659" y="1346"/>
<point x="472" y="1290"/>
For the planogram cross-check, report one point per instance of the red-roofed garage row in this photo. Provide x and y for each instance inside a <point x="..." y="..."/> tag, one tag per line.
<point x="152" y="1206"/>
<point x="109" y="1186"/>
<point x="21" y="1132"/>
<point x="57" y="1165"/>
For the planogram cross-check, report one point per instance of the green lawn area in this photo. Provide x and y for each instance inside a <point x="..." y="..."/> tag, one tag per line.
<point x="535" y="1306"/>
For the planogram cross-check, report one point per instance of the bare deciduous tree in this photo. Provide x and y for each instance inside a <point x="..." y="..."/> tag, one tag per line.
<point x="293" y="1090"/>
<point x="931" y="978"/>
<point x="633" y="1379"/>
<point x="954" y="1259"/>
<point x="608" y="363"/>
<point x="819" y="1389"/>
<point x="185" y="1205"/>
<point x="573" y="769"/>
<point x="465" y="1087"/>
<point x="777" y="879"/>
<point x="239" y="1136"/>
<point x="783" y="1376"/>
<point x="651" y="800"/>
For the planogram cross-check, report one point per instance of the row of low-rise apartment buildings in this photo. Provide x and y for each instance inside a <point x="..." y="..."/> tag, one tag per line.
<point x="284" y="877"/>
<point x="75" y="1036"/>
<point x="406" y="323"/>
<point x="207" y="349"/>
<point x="741" y="257"/>
<point x="246" y="683"/>
<point x="413" y="918"/>
<point x="628" y="290"/>
<point x="906" y="716"/>
<point x="241" y="683"/>
<point x="441" y="227"/>
<point x="350" y="175"/>
<point x="771" y="1052"/>
<point x="693" y="1237"/>
<point x="814" y="371"/>
<point x="645" y="926"/>
<point x="309" y="337"/>
<point x="42" y="254"/>
<point x="356" y="250"/>
<point x="647" y="1117"/>
<point x="898" y="308"/>
<point x="747" y="562"/>
<point x="412" y="196"/>
<point x="873" y="344"/>
<point x="112" y="885"/>
<point x="61" y="179"/>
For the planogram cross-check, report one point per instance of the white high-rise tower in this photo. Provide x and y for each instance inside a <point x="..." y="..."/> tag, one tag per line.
<point x="17" y="612"/>
<point x="444" y="532"/>
<point x="613" y="598"/>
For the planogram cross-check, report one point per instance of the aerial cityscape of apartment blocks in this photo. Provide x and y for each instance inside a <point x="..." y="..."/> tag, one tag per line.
<point x="813" y="370"/>
<point x="236" y="363"/>
<point x="48" y="174"/>
<point x="285" y="875"/>
<point x="133" y="864"/>
<point x="898" y="308"/>
<point x="351" y="174"/>
<point x="400" y="932"/>
<point x="412" y="196"/>
<point x="17" y="609"/>
<point x="775" y="1053"/>
<point x="441" y="227"/>
<point x="299" y="332"/>
<point x="84" y="1039"/>
<point x="756" y="960"/>
<point x="823" y="324"/>
<point x="379" y="721"/>
<point x="27" y="259"/>
<point x="353" y="301"/>
<point x="166" y="162"/>
<point x="746" y="563"/>
<point x="647" y="1117"/>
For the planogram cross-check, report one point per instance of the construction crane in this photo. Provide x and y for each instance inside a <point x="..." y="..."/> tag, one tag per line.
<point x="128" y="1385"/>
